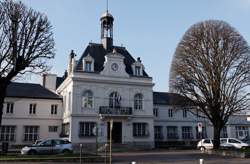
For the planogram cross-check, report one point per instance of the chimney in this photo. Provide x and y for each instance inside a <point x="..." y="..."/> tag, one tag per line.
<point x="49" y="81"/>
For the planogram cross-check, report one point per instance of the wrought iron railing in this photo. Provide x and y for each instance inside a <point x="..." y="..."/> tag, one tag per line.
<point x="115" y="110"/>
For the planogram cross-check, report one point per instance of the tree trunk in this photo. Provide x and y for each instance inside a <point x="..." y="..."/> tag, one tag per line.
<point x="216" y="137"/>
<point x="3" y="88"/>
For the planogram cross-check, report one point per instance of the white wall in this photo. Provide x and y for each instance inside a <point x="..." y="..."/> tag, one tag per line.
<point x="42" y="118"/>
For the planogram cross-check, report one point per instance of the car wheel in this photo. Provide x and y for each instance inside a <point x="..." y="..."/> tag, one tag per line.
<point x="66" y="151"/>
<point x="202" y="148"/>
<point x="32" y="152"/>
<point x="243" y="147"/>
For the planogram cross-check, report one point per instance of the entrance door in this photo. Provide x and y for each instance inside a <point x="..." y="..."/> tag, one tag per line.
<point x="116" y="132"/>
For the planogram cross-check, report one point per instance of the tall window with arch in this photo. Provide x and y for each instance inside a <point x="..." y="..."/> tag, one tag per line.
<point x="114" y="100"/>
<point x="138" y="101"/>
<point x="87" y="99"/>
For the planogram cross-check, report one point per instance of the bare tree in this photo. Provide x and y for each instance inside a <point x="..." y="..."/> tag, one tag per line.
<point x="211" y="67"/>
<point x="26" y="43"/>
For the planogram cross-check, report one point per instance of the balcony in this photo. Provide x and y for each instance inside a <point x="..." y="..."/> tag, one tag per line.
<point x="115" y="111"/>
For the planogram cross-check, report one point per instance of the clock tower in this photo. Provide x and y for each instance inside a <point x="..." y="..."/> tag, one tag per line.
<point x="107" y="30"/>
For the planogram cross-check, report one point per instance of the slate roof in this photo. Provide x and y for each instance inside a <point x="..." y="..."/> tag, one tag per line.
<point x="165" y="98"/>
<point x="98" y="53"/>
<point x="30" y="90"/>
<point x="238" y="119"/>
<point x="59" y="81"/>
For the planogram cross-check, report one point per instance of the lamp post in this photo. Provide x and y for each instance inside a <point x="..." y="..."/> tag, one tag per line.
<point x="96" y="131"/>
<point x="110" y="140"/>
<point x="96" y="145"/>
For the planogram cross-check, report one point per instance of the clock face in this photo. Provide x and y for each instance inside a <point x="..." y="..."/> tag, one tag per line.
<point x="114" y="66"/>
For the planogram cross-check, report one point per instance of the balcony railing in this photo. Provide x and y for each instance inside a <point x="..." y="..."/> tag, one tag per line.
<point x="119" y="111"/>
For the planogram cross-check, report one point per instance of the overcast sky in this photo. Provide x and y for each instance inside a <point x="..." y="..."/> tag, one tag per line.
<point x="150" y="29"/>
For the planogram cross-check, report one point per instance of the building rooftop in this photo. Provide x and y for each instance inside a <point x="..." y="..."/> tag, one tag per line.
<point x="98" y="52"/>
<point x="165" y="98"/>
<point x="30" y="90"/>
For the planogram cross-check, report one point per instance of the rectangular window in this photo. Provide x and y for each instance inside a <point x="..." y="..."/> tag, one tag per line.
<point x="140" y="130"/>
<point x="7" y="133"/>
<point x="242" y="132"/>
<point x="172" y="132"/>
<point x="32" y="109"/>
<point x="53" y="128"/>
<point x="54" y="109"/>
<point x="184" y="113"/>
<point x="88" y="65"/>
<point x="31" y="133"/>
<point x="9" y="108"/>
<point x="156" y="112"/>
<point x="138" y="102"/>
<point x="187" y="132"/>
<point x="137" y="71"/>
<point x="170" y="113"/>
<point x="86" y="129"/>
<point x="158" y="132"/>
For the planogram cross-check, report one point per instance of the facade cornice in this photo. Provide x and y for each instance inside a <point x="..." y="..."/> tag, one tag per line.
<point x="142" y="116"/>
<point x="32" y="118"/>
<point x="113" y="80"/>
<point x="84" y="115"/>
<point x="179" y="121"/>
<point x="36" y="98"/>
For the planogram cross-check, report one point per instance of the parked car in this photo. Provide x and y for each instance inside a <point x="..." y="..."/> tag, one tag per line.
<point x="48" y="146"/>
<point x="233" y="142"/>
<point x="206" y="144"/>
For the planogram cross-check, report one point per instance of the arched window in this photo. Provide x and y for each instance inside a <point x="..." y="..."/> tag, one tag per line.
<point x="114" y="100"/>
<point x="138" y="101"/>
<point x="87" y="99"/>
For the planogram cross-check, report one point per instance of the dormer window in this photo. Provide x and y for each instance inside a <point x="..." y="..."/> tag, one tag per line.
<point x="137" y="71"/>
<point x="138" y="68"/>
<point x="88" y="64"/>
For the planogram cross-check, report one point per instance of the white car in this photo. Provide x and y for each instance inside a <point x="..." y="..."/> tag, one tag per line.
<point x="207" y="144"/>
<point x="233" y="142"/>
<point x="48" y="146"/>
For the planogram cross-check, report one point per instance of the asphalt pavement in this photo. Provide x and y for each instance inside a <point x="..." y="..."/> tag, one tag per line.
<point x="164" y="157"/>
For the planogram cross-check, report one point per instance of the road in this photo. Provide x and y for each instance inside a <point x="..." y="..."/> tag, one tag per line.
<point x="176" y="157"/>
<point x="166" y="157"/>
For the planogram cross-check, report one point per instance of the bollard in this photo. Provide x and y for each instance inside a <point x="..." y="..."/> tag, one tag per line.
<point x="106" y="145"/>
<point x="201" y="161"/>
<point x="80" y="153"/>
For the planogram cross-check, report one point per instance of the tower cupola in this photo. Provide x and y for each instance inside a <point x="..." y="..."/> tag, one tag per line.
<point x="107" y="30"/>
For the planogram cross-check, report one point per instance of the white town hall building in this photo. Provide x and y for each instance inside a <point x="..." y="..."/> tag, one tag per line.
<point x="106" y="84"/>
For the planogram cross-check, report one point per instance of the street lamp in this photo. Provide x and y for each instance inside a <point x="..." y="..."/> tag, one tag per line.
<point x="96" y="131"/>
<point x="110" y="140"/>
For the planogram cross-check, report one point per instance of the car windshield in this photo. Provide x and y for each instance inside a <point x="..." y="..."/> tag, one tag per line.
<point x="234" y="141"/>
<point x="45" y="143"/>
<point x="37" y="142"/>
<point x="223" y="141"/>
<point x="207" y="141"/>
